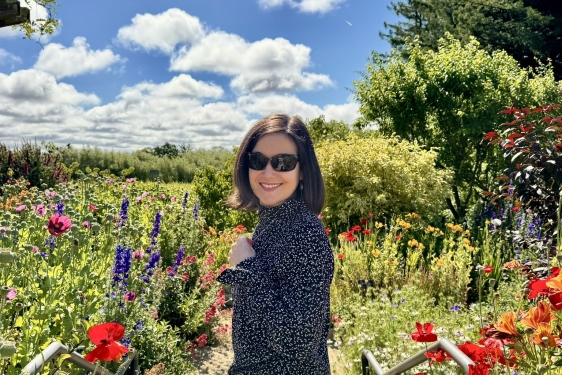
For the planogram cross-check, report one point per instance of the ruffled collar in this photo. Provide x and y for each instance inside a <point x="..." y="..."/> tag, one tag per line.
<point x="284" y="211"/>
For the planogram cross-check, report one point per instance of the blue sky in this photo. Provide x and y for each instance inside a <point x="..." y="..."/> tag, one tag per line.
<point x="132" y="74"/>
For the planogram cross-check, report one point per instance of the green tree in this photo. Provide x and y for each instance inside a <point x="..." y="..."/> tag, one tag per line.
<point x="167" y="149"/>
<point x="447" y="100"/>
<point x="528" y="30"/>
<point x="39" y="26"/>
<point x="320" y="129"/>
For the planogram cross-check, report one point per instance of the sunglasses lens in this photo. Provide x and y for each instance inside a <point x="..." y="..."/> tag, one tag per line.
<point x="284" y="163"/>
<point x="257" y="162"/>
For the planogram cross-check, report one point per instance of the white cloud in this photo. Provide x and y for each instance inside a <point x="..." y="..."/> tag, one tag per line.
<point x="75" y="60"/>
<point x="180" y="86"/>
<point x="263" y="66"/>
<point x="162" y="31"/>
<point x="305" y="6"/>
<point x="8" y="58"/>
<point x="291" y="105"/>
<point x="35" y="12"/>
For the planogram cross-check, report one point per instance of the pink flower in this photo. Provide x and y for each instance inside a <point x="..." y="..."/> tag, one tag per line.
<point x="123" y="187"/>
<point x="109" y="181"/>
<point x="50" y="194"/>
<point x="145" y="194"/>
<point x="35" y="249"/>
<point x="58" y="225"/>
<point x="137" y="254"/>
<point x="11" y="294"/>
<point x="130" y="296"/>
<point x="138" y="199"/>
<point x="130" y="180"/>
<point x="92" y="208"/>
<point x="21" y="208"/>
<point x="40" y="210"/>
<point x="173" y="199"/>
<point x="85" y="224"/>
<point x="162" y="196"/>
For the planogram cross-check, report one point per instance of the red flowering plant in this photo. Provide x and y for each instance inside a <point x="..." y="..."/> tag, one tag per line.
<point x="532" y="144"/>
<point x="106" y="338"/>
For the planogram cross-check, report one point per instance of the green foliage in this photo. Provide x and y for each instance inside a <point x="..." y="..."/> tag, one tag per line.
<point x="37" y="166"/>
<point x="320" y="129"/>
<point x="212" y="187"/>
<point x="384" y="176"/>
<point x="448" y="99"/>
<point x="40" y="26"/>
<point x="172" y="166"/>
<point x="532" y="147"/>
<point x="528" y="30"/>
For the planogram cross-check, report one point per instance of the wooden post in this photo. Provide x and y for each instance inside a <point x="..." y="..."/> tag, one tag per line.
<point x="12" y="13"/>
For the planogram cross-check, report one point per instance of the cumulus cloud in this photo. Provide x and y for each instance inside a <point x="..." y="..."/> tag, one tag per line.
<point x="75" y="60"/>
<point x="305" y="6"/>
<point x="161" y="31"/>
<point x="8" y="58"/>
<point x="180" y="86"/>
<point x="263" y="66"/>
<point x="35" y="12"/>
<point x="291" y="105"/>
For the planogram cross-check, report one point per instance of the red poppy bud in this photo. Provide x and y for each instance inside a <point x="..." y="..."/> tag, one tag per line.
<point x="488" y="269"/>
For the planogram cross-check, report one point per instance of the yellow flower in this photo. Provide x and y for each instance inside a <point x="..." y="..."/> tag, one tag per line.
<point x="370" y="243"/>
<point x="376" y="253"/>
<point x="212" y="231"/>
<point x="413" y="215"/>
<point x="467" y="233"/>
<point x="466" y="241"/>
<point x="457" y="228"/>
<point x="413" y="243"/>
<point x="420" y="246"/>
<point x="487" y="222"/>
<point x="378" y="225"/>
<point x="449" y="225"/>
<point x="440" y="262"/>
<point x="404" y="224"/>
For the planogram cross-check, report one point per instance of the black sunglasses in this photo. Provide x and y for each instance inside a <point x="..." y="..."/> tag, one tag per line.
<point x="280" y="163"/>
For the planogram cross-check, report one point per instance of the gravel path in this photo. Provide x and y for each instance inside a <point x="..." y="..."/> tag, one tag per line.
<point x="217" y="359"/>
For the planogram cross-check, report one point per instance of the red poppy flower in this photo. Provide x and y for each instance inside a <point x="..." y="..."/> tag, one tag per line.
<point x="438" y="356"/>
<point x="340" y="256"/>
<point x="58" y="225"/>
<point x="538" y="288"/>
<point x="367" y="231"/>
<point x="398" y="237"/>
<point x="364" y="222"/>
<point x="328" y="230"/>
<point x="515" y="209"/>
<point x="472" y="351"/>
<point x="556" y="300"/>
<point x="488" y="269"/>
<point x="105" y="337"/>
<point x="240" y="228"/>
<point x="479" y="369"/>
<point x="424" y="334"/>
<point x="356" y="228"/>
<point x="370" y="215"/>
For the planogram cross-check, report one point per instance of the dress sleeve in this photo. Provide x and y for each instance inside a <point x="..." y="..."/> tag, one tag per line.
<point x="297" y="311"/>
<point x="248" y="271"/>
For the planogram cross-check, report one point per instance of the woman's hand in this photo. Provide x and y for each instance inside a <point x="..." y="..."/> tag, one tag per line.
<point x="242" y="249"/>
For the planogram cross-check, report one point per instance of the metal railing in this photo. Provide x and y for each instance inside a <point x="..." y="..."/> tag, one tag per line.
<point x="56" y="349"/>
<point x="369" y="362"/>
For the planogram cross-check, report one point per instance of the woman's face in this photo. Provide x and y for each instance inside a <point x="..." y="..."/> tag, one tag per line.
<point x="271" y="187"/>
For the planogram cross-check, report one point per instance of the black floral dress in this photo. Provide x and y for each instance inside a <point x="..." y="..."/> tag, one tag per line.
<point x="281" y="296"/>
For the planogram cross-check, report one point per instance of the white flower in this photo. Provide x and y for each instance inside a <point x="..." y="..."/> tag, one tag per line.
<point x="496" y="222"/>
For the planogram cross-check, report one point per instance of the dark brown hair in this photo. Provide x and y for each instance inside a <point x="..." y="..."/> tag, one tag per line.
<point x="243" y="198"/>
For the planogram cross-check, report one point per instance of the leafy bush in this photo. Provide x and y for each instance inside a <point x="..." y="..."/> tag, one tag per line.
<point x="171" y="167"/>
<point x="212" y="187"/>
<point x="37" y="166"/>
<point x="380" y="175"/>
<point x="532" y="144"/>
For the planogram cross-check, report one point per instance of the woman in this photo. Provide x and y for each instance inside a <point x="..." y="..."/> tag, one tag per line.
<point x="280" y="278"/>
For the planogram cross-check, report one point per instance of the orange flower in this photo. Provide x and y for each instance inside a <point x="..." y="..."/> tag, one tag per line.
<point x="506" y="324"/>
<point x="538" y="315"/>
<point x="544" y="336"/>
<point x="555" y="283"/>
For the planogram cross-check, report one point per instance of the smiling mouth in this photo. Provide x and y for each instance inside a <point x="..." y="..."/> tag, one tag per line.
<point x="270" y="186"/>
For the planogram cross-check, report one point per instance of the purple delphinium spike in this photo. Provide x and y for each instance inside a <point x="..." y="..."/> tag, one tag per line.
<point x="196" y="211"/>
<point x="121" y="267"/>
<point x="123" y="214"/>
<point x="60" y="208"/>
<point x="155" y="230"/>
<point x="184" y="203"/>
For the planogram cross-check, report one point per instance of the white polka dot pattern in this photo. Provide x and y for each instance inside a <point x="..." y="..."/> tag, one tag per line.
<point x="282" y="295"/>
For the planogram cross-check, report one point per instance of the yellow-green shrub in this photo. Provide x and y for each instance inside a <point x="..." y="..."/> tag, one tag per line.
<point x="385" y="176"/>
